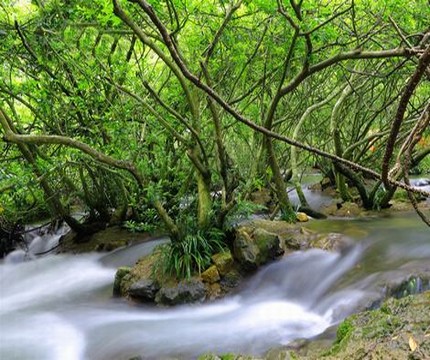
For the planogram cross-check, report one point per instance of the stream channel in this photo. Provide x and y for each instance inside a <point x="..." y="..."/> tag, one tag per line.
<point x="60" y="307"/>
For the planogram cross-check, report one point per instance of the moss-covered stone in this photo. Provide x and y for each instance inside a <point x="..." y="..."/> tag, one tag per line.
<point x="223" y="261"/>
<point x="210" y="275"/>
<point x="329" y="242"/>
<point x="253" y="247"/>
<point x="385" y="333"/>
<point x="119" y="276"/>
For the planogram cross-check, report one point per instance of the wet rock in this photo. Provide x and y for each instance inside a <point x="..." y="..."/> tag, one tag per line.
<point x="245" y="250"/>
<point x="119" y="276"/>
<point x="223" y="261"/>
<point x="187" y="291"/>
<point x="144" y="290"/>
<point x="291" y="237"/>
<point x="231" y="280"/>
<point x="210" y="275"/>
<point x="330" y="242"/>
<point x="213" y="291"/>
<point x="255" y="247"/>
<point x="269" y="245"/>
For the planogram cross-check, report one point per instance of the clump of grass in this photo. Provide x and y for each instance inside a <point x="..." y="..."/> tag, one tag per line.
<point x="189" y="254"/>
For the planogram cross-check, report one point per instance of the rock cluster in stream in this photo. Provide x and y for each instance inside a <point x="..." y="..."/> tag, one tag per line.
<point x="255" y="244"/>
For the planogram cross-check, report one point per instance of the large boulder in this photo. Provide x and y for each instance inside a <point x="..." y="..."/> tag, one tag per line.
<point x="254" y="247"/>
<point x="291" y="237"/>
<point x="187" y="291"/>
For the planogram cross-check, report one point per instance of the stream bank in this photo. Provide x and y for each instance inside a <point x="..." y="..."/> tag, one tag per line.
<point x="399" y="329"/>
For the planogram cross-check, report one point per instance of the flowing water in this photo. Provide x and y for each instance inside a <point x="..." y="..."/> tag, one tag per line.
<point x="60" y="306"/>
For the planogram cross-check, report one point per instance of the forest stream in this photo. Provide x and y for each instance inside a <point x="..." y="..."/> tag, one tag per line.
<point x="60" y="306"/>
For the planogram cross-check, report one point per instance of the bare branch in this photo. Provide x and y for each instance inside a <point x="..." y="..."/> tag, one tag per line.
<point x="424" y="61"/>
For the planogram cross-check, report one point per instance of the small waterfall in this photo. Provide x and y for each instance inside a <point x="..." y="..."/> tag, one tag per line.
<point x="38" y="240"/>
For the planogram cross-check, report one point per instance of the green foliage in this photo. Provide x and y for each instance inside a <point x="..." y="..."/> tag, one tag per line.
<point x="77" y="71"/>
<point x="343" y="330"/>
<point x="379" y="196"/>
<point x="134" y="226"/>
<point x="289" y="217"/>
<point x="190" y="253"/>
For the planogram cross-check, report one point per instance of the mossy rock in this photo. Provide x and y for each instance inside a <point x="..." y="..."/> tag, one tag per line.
<point x="255" y="247"/>
<point x="210" y="275"/>
<point x="329" y="242"/>
<point x="385" y="333"/>
<point x="223" y="261"/>
<point x="120" y="274"/>
<point x="141" y="271"/>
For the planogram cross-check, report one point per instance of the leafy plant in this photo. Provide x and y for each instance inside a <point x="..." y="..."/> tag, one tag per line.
<point x="189" y="254"/>
<point x="135" y="226"/>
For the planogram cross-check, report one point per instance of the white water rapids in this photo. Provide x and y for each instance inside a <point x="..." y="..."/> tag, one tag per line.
<point x="60" y="307"/>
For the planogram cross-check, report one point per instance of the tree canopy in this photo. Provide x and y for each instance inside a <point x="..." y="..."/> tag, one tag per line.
<point x="177" y="110"/>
